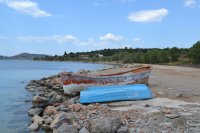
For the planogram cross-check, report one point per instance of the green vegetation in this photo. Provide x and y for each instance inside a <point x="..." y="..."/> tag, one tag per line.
<point x="176" y="56"/>
<point x="194" y="53"/>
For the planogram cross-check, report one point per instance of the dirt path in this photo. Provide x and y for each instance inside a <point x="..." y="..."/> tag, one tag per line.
<point x="176" y="82"/>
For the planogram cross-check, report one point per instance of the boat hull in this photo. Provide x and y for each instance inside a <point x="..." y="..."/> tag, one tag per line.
<point x="115" y="93"/>
<point x="76" y="83"/>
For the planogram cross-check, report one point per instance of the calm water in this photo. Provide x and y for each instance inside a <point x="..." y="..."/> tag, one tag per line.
<point x="14" y="75"/>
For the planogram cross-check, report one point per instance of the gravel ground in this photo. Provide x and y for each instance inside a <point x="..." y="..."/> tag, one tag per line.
<point x="176" y="82"/>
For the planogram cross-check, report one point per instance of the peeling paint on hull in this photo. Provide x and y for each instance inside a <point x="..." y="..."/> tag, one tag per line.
<point x="73" y="83"/>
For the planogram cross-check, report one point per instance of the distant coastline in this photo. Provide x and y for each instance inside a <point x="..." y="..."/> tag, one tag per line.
<point x="166" y="56"/>
<point x="24" y="56"/>
<point x="189" y="57"/>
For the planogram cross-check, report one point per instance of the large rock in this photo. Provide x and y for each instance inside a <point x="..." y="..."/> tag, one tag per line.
<point x="31" y="87"/>
<point x="51" y="94"/>
<point x="48" y="121"/>
<point x="38" y="119"/>
<point x="56" y="99"/>
<point x="46" y="127"/>
<point x="84" y="130"/>
<point x="60" y="119"/>
<point x="122" y="129"/>
<point x="34" y="111"/>
<point x="49" y="110"/>
<point x="33" y="127"/>
<point x="62" y="108"/>
<point x="74" y="100"/>
<point x="65" y="128"/>
<point x="39" y="101"/>
<point x="108" y="125"/>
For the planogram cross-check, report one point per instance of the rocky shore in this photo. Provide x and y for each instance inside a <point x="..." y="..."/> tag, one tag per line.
<point x="54" y="112"/>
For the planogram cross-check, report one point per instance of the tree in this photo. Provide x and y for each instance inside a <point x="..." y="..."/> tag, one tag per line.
<point x="65" y="54"/>
<point x="164" y="57"/>
<point x="174" y="54"/>
<point x="153" y="56"/>
<point x="194" y="53"/>
<point x="127" y="58"/>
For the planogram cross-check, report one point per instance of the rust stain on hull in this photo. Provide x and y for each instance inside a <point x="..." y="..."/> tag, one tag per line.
<point x="138" y="75"/>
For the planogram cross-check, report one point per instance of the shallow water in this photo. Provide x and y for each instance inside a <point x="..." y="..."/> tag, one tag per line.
<point x="14" y="75"/>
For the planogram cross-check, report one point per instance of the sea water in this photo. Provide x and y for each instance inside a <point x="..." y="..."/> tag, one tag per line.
<point x="14" y="76"/>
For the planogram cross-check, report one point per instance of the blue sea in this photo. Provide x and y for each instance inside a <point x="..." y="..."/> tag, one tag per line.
<point x="14" y="76"/>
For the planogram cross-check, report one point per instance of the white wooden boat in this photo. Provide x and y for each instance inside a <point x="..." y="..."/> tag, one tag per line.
<point x="76" y="82"/>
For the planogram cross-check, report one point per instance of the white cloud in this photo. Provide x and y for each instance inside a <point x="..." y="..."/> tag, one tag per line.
<point x="56" y="38"/>
<point x="148" y="15"/>
<point x="92" y="42"/>
<point x="189" y="3"/>
<point x="111" y="37"/>
<point x="26" y="7"/>
<point x="62" y="39"/>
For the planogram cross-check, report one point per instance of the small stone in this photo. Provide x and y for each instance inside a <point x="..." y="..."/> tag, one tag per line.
<point x="32" y="89"/>
<point x="179" y="95"/>
<point x="108" y="125"/>
<point x="49" y="110"/>
<point x="39" y="101"/>
<point x="122" y="129"/>
<point x="194" y="130"/>
<point x="56" y="99"/>
<point x="42" y="93"/>
<point x="34" y="111"/>
<point x="33" y="127"/>
<point x="37" y="119"/>
<point x="84" y="130"/>
<point x="172" y="116"/>
<point x="75" y="107"/>
<point x="132" y="130"/>
<point x="48" y="120"/>
<point x="166" y="111"/>
<point x="60" y="118"/>
<point x="91" y="107"/>
<point x="74" y="100"/>
<point x="65" y="128"/>
<point x="29" y="87"/>
<point x="147" y="105"/>
<point x="165" y="125"/>
<point x="56" y="104"/>
<point x="46" y="127"/>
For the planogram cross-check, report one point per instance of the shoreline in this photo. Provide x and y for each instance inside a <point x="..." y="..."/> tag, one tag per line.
<point x="55" y="112"/>
<point x="113" y="63"/>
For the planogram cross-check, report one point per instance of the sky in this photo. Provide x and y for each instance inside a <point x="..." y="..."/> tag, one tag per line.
<point x="54" y="26"/>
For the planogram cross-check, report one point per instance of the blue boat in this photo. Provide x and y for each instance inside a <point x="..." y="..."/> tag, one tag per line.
<point x="115" y="93"/>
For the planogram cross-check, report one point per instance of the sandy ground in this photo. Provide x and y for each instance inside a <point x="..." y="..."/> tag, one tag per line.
<point x="176" y="82"/>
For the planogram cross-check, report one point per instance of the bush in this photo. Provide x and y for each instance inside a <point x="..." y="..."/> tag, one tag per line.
<point x="194" y="53"/>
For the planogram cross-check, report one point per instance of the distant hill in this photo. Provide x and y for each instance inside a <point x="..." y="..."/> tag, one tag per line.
<point x="24" y="56"/>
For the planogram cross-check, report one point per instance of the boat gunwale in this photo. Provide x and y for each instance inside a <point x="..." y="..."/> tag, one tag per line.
<point x="114" y="76"/>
